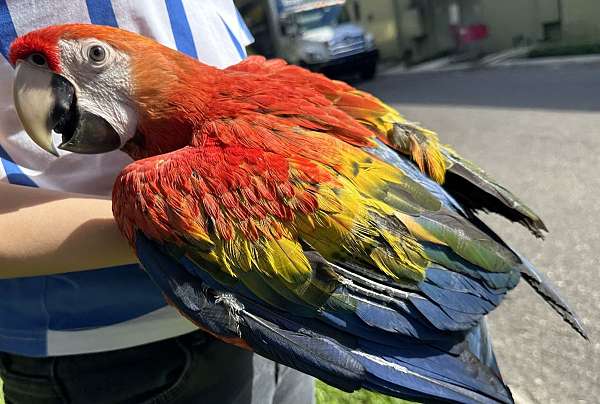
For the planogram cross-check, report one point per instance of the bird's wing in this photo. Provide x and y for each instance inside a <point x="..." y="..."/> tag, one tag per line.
<point x="315" y="102"/>
<point x="340" y="266"/>
<point x="465" y="181"/>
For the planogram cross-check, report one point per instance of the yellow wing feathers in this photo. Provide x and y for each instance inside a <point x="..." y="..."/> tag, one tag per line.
<point x="420" y="144"/>
<point x="357" y="219"/>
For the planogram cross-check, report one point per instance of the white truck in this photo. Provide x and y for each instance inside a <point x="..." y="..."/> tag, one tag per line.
<point x="316" y="34"/>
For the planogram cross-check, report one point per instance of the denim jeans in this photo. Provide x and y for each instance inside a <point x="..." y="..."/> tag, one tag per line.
<point x="193" y="368"/>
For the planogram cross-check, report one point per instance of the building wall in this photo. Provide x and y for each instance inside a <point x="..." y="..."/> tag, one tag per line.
<point x="511" y="22"/>
<point x="549" y="10"/>
<point x="378" y="17"/>
<point x="514" y="22"/>
<point x="437" y="35"/>
<point x="421" y="28"/>
<point x="406" y="29"/>
<point x="581" y="20"/>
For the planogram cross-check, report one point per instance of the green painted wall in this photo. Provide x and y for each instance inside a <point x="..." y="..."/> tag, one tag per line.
<point x="510" y="22"/>
<point x="529" y="21"/>
<point x="403" y="27"/>
<point x="377" y="17"/>
<point x="581" y="20"/>
<point x="420" y="28"/>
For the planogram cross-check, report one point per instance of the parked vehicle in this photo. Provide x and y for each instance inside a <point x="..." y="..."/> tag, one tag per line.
<point x="315" y="34"/>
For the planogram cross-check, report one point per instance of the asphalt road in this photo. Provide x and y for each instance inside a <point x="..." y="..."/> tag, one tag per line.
<point x="537" y="131"/>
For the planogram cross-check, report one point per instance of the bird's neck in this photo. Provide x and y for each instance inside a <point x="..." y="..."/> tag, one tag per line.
<point x="173" y="110"/>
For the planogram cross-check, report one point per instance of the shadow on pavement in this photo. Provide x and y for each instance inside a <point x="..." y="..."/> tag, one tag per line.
<point x="566" y="87"/>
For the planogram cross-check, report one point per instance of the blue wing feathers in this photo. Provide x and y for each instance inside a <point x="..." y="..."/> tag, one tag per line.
<point x="457" y="301"/>
<point x="540" y="283"/>
<point x="501" y="282"/>
<point x="334" y="347"/>
<point x="177" y="286"/>
<point x="314" y="355"/>
<point x="458" y="372"/>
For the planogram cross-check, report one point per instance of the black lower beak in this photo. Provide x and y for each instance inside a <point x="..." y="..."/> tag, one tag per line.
<point x="82" y="131"/>
<point x="87" y="133"/>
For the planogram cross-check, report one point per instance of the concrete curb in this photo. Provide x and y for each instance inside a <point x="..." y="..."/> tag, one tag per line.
<point x="509" y="58"/>
<point x="509" y="54"/>
<point x="557" y="60"/>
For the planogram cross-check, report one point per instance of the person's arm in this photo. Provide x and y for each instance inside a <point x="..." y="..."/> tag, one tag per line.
<point x="46" y="232"/>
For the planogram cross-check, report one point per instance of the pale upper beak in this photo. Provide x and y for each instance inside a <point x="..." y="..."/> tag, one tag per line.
<point x="46" y="102"/>
<point x="41" y="100"/>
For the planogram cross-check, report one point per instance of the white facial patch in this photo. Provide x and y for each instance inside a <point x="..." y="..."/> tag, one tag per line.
<point x="103" y="87"/>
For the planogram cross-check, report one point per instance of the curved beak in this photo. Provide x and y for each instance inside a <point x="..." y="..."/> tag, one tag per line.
<point x="46" y="101"/>
<point x="41" y="99"/>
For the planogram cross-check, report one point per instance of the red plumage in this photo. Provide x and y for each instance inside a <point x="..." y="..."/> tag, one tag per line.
<point x="44" y="42"/>
<point x="241" y="106"/>
<point x="224" y="185"/>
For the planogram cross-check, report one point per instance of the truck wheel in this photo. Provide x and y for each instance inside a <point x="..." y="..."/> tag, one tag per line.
<point x="368" y="71"/>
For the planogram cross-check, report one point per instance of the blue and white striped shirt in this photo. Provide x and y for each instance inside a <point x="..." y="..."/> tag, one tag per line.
<point x="108" y="308"/>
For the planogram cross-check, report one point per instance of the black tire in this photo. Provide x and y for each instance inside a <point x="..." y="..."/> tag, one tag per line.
<point x="368" y="72"/>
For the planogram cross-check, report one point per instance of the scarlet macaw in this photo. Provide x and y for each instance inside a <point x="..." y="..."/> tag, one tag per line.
<point x="288" y="213"/>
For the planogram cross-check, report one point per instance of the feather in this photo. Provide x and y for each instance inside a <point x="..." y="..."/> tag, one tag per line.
<point x="548" y="292"/>
<point x="475" y="190"/>
<point x="465" y="181"/>
<point x="408" y="369"/>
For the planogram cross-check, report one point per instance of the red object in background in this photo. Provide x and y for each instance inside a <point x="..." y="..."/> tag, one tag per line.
<point x="473" y="33"/>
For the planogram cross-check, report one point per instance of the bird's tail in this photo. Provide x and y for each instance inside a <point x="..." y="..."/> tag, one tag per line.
<point x="541" y="284"/>
<point x="544" y="287"/>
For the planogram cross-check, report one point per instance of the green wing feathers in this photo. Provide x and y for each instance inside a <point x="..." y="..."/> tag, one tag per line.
<point x="464" y="180"/>
<point x="476" y="190"/>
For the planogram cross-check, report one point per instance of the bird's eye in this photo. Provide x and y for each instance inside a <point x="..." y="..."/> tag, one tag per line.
<point x="97" y="53"/>
<point x="37" y="59"/>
